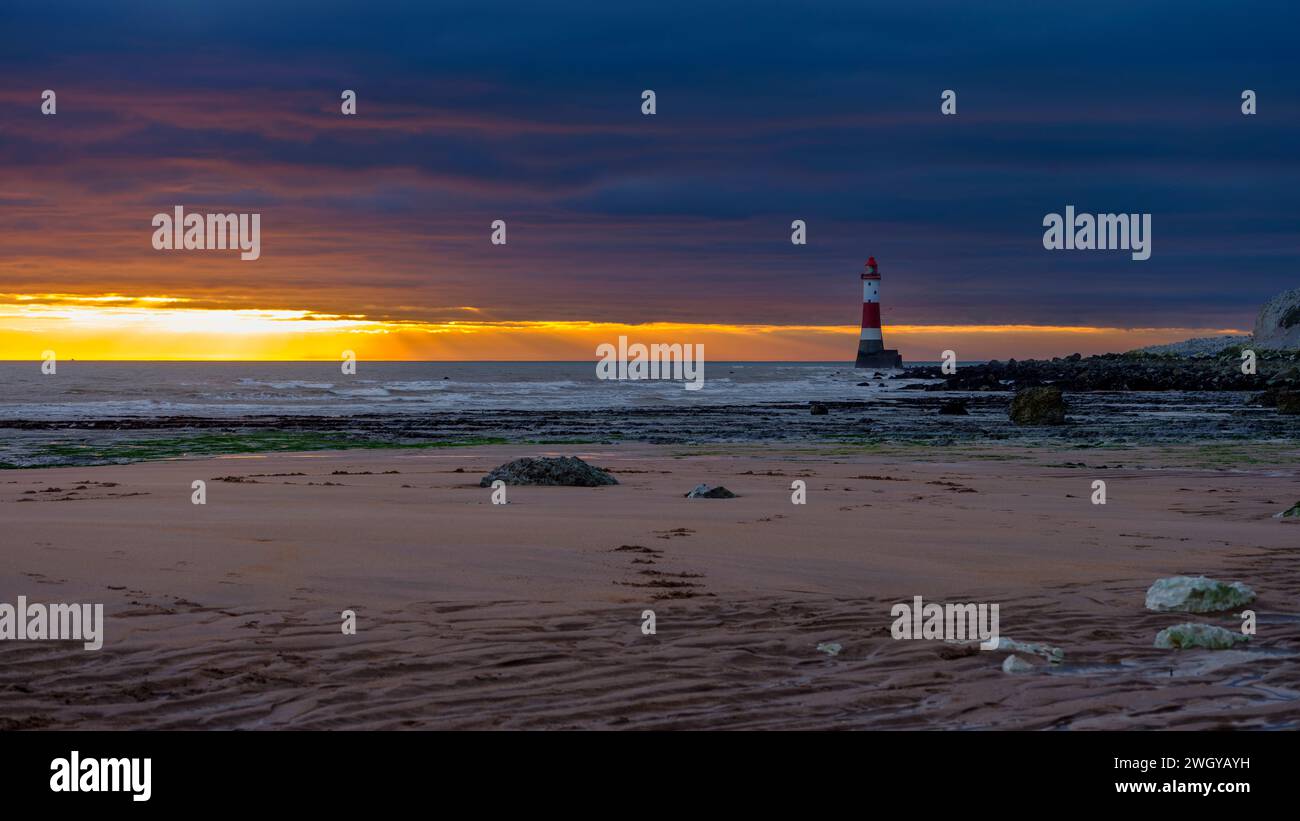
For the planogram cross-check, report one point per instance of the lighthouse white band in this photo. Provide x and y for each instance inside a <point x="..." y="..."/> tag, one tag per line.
<point x="870" y="291"/>
<point x="871" y="333"/>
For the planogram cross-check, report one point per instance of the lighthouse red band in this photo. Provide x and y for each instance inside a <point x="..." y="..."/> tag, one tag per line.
<point x="871" y="343"/>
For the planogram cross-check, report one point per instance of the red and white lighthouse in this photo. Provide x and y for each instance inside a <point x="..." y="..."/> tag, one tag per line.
<point x="871" y="343"/>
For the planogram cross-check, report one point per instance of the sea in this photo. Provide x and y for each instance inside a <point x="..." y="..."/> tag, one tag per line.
<point x="111" y="412"/>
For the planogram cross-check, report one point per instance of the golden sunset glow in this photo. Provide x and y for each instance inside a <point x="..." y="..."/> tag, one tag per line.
<point x="161" y="327"/>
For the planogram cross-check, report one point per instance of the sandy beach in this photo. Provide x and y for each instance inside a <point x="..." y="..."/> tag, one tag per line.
<point x="529" y="615"/>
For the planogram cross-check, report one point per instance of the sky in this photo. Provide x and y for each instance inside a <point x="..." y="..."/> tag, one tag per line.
<point x="673" y="227"/>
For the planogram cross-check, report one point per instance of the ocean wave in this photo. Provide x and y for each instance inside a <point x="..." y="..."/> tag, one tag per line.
<point x="418" y="386"/>
<point x="288" y="385"/>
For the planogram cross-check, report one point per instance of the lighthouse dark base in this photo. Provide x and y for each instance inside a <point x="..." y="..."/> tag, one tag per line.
<point x="879" y="358"/>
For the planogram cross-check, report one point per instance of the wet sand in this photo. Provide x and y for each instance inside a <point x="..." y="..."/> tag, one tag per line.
<point x="528" y="615"/>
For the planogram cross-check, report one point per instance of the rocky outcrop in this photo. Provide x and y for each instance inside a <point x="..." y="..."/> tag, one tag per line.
<point x="1209" y="636"/>
<point x="1278" y="323"/>
<point x="549" y="470"/>
<point x="1038" y="406"/>
<point x="1135" y="371"/>
<point x="954" y="407"/>
<point x="1197" y="594"/>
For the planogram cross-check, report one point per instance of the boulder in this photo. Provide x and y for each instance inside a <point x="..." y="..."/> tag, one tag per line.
<point x="954" y="407"/>
<point x="1015" y="664"/>
<point x="818" y="409"/>
<point x="549" y="470"/>
<point x="703" y="491"/>
<point x="1038" y="406"/>
<point x="1293" y="512"/>
<point x="1209" y="636"/>
<point x="1267" y="399"/>
<point x="1288" y="402"/>
<point x="1278" y="323"/>
<point x="1197" y="594"/>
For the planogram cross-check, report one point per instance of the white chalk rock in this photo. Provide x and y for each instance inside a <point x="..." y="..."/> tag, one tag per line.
<point x="1209" y="636"/>
<point x="1197" y="594"/>
<point x="1278" y="323"/>
<point x="1015" y="664"/>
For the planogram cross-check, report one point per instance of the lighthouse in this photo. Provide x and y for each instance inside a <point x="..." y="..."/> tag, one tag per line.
<point x="871" y="343"/>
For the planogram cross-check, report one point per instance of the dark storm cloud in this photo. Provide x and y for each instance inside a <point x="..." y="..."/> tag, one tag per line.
<point x="768" y="112"/>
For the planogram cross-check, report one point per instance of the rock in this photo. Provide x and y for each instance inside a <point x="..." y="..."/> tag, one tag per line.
<point x="831" y="648"/>
<point x="1053" y="654"/>
<point x="703" y="491"/>
<point x="954" y="407"/>
<point x="1286" y="378"/>
<point x="1038" y="406"/>
<point x="1209" y="636"/>
<point x="1278" y="323"/>
<point x="818" y="409"/>
<point x="1015" y="664"/>
<point x="549" y="470"/>
<point x="1292" y="512"/>
<point x="1196" y="594"/>
<point x="1267" y="399"/>
<point x="1288" y="402"/>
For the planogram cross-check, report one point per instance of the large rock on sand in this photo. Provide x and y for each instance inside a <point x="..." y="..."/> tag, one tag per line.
<point x="1209" y="636"/>
<point x="1278" y="323"/>
<point x="703" y="491"/>
<point x="549" y="470"/>
<point x="1197" y="594"/>
<point x="1038" y="406"/>
<point x="1292" y="512"/>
